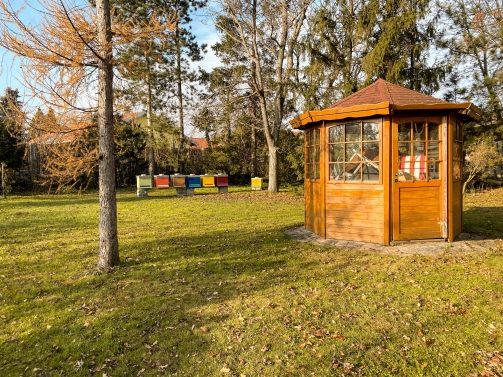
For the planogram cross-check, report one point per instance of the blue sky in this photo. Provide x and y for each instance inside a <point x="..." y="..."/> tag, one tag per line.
<point x="9" y="64"/>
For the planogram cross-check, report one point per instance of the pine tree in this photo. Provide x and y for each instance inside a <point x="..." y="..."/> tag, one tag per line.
<point x="473" y="39"/>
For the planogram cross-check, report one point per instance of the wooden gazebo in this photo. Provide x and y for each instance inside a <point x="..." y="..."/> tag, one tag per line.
<point x="385" y="164"/>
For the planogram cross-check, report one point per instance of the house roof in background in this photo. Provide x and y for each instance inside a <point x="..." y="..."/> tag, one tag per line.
<point x="66" y="135"/>
<point x="198" y="143"/>
<point x="131" y="116"/>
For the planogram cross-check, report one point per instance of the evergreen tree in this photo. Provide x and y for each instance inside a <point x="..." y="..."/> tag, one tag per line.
<point x="11" y="136"/>
<point x="400" y="34"/>
<point x="473" y="39"/>
<point x="156" y="69"/>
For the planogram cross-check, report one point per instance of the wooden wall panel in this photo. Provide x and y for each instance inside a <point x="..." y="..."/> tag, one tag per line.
<point x="355" y="213"/>
<point x="313" y="206"/>
<point x="457" y="208"/>
<point x="420" y="212"/>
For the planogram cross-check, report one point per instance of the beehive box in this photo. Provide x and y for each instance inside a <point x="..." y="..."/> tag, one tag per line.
<point x="143" y="181"/>
<point x="221" y="180"/>
<point x="161" y="181"/>
<point x="178" y="180"/>
<point x="256" y="183"/>
<point x="208" y="180"/>
<point x="193" y="181"/>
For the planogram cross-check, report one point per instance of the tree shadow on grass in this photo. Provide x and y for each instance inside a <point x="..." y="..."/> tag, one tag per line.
<point x="483" y="222"/>
<point x="158" y="312"/>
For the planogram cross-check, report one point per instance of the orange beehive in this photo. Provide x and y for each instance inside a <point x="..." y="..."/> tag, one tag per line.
<point x="161" y="181"/>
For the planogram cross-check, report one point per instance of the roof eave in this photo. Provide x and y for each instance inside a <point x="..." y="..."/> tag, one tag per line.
<point x="466" y="108"/>
<point x="359" y="111"/>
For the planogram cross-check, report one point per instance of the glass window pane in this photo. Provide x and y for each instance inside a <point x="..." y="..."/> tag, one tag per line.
<point x="317" y="136"/>
<point x="317" y="154"/>
<point x="433" y="170"/>
<point x="311" y="155"/>
<point x="404" y="149"/>
<point x="419" y="148"/>
<point x="336" y="153"/>
<point x="336" y="134"/>
<point x="413" y="166"/>
<point x="352" y="152"/>
<point x="308" y="137"/>
<point x="371" y="151"/>
<point x="434" y="150"/>
<point x="457" y="170"/>
<point x="353" y="132"/>
<point x="370" y="171"/>
<point x="459" y="133"/>
<point x="353" y="171"/>
<point x="419" y="129"/>
<point x="458" y="151"/>
<point x="433" y="131"/>
<point x="336" y="172"/>
<point x="404" y="131"/>
<point x="370" y="131"/>
<point x="317" y="171"/>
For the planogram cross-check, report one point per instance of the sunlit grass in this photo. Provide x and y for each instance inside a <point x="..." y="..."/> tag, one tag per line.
<point x="210" y="285"/>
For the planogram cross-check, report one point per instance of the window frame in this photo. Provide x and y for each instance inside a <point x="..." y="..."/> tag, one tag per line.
<point x="457" y="139"/>
<point x="416" y="139"/>
<point x="362" y="141"/>
<point x="312" y="152"/>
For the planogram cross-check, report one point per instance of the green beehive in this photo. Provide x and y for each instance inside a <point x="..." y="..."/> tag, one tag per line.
<point x="143" y="181"/>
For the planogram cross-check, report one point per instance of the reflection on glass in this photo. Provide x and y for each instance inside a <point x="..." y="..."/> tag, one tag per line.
<point x="456" y="155"/>
<point x="317" y="171"/>
<point x="371" y="150"/>
<point x="317" y="136"/>
<point x="317" y="154"/>
<point x="336" y="134"/>
<point x="336" y="153"/>
<point x="459" y="131"/>
<point x="434" y="170"/>
<point x="311" y="155"/>
<point x="370" y="171"/>
<point x="434" y="150"/>
<point x="419" y="148"/>
<point x="457" y="170"/>
<point x="370" y="131"/>
<point x="353" y="132"/>
<point x="404" y="131"/>
<point x="352" y="150"/>
<point x="433" y="129"/>
<point x="404" y="149"/>
<point x="310" y="137"/>
<point x="419" y="129"/>
<point x="336" y="172"/>
<point x="353" y="171"/>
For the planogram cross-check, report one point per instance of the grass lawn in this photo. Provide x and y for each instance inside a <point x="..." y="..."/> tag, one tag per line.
<point x="210" y="285"/>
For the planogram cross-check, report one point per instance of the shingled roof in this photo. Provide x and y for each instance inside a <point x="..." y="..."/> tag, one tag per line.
<point x="383" y="98"/>
<point x="383" y="91"/>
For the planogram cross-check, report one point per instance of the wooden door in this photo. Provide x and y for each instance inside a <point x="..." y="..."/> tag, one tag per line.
<point x="417" y="178"/>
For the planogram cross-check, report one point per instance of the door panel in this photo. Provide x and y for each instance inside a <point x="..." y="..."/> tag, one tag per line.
<point x="417" y="179"/>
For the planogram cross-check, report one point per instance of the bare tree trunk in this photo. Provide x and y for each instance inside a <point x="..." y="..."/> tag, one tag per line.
<point x="108" y="250"/>
<point x="151" y="156"/>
